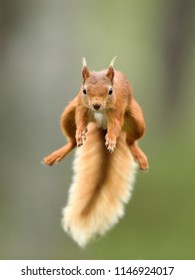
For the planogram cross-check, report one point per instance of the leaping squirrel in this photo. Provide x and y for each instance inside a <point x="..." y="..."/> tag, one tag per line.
<point x="105" y="122"/>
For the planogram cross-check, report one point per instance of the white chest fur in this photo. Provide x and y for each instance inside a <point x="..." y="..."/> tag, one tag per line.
<point x="101" y="119"/>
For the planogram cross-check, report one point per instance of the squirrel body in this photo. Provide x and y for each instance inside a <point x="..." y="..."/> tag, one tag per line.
<point x="106" y="121"/>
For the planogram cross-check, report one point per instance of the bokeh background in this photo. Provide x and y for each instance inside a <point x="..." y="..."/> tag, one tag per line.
<point x="42" y="43"/>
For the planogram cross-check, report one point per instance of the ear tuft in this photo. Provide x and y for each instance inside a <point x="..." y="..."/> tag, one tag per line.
<point x="113" y="61"/>
<point x="85" y="70"/>
<point x="84" y="61"/>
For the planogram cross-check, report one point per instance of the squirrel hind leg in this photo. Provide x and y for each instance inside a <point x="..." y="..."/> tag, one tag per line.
<point x="59" y="154"/>
<point x="139" y="156"/>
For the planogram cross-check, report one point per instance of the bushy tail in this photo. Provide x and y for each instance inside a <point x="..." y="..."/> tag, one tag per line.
<point x="102" y="184"/>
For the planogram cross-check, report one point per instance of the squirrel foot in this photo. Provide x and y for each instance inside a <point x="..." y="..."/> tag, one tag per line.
<point x="80" y="136"/>
<point x="139" y="157"/>
<point x="110" y="143"/>
<point x="142" y="161"/>
<point x="59" y="154"/>
<point x="53" y="158"/>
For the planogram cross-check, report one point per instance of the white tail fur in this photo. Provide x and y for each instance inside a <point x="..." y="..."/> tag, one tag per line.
<point x="102" y="184"/>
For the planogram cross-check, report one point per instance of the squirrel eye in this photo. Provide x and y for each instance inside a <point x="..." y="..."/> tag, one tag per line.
<point x="84" y="91"/>
<point x="110" y="91"/>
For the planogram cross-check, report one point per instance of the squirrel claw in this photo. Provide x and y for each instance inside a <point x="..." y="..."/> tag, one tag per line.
<point x="111" y="150"/>
<point x="79" y="145"/>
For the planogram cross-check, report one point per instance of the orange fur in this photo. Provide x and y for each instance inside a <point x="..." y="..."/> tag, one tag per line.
<point x="104" y="117"/>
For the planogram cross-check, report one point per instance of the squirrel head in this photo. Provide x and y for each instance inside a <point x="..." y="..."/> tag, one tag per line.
<point x="98" y="87"/>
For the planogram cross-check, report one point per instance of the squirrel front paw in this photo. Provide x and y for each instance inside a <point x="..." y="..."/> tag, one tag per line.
<point x="110" y="143"/>
<point x="80" y="136"/>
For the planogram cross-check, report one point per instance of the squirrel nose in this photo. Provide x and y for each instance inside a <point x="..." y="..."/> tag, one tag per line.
<point x="96" y="106"/>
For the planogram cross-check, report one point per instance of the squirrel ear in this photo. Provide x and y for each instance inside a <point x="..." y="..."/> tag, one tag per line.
<point x="110" y="73"/>
<point x="85" y="70"/>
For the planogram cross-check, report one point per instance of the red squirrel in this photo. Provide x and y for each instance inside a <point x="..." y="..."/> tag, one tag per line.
<point x="105" y="122"/>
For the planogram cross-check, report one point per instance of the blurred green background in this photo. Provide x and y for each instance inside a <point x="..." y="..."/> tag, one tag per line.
<point x="42" y="43"/>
